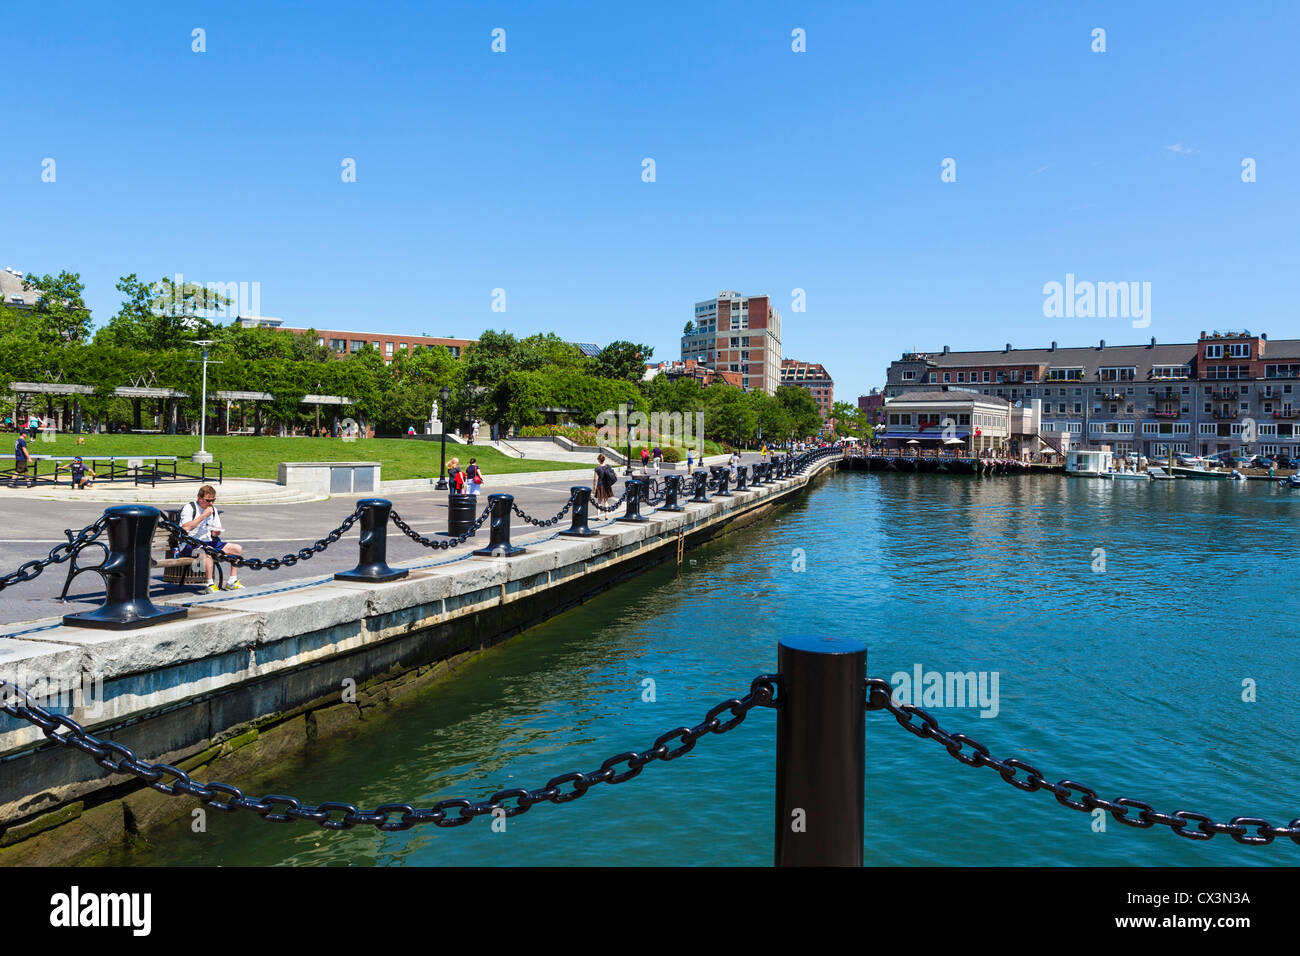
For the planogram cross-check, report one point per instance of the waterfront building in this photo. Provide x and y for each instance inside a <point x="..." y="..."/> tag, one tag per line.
<point x="948" y="420"/>
<point x="737" y="333"/>
<point x="1228" y="391"/>
<point x="690" y="368"/>
<point x="813" y="377"/>
<point x="388" y="344"/>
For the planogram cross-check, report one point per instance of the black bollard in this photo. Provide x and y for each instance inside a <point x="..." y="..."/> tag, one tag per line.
<point x="741" y="477"/>
<point x="701" y="487"/>
<point x="499" y="546"/>
<point x="126" y="574"/>
<point x="724" y="476"/>
<point x="634" y="487"/>
<point x="820" y="751"/>
<point x="581" y="506"/>
<point x="672" y="487"/>
<point x="373" y="563"/>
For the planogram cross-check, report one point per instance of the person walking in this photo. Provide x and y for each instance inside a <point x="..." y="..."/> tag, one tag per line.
<point x="645" y="461"/>
<point x="22" y="458"/>
<point x="603" y="480"/>
<point x="473" y="477"/>
<point x="200" y="520"/>
<point x="658" y="458"/>
<point x="455" y="478"/>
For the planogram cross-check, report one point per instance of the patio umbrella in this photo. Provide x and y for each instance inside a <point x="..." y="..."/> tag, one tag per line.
<point x="953" y="441"/>
<point x="913" y="441"/>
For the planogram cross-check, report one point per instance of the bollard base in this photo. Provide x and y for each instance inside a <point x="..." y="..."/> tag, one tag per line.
<point x="671" y="508"/>
<point x="583" y="533"/>
<point x="500" y="551"/>
<point x="372" y="573"/>
<point x="635" y="519"/>
<point x="125" y="617"/>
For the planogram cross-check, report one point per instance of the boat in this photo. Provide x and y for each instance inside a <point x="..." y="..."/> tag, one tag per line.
<point x="1158" y="474"/>
<point x="1291" y="481"/>
<point x="1199" y="474"/>
<point x="1130" y="476"/>
<point x="1082" y="463"/>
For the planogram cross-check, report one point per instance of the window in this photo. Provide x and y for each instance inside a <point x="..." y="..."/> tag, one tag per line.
<point x="356" y="345"/>
<point x="909" y="376"/>
<point x="1029" y="375"/>
<point x="1064" y="374"/>
<point x="1117" y="374"/>
<point x="947" y="377"/>
<point x="320" y="342"/>
<point x="1239" y="350"/>
<point x="933" y="378"/>
<point x="1171" y="371"/>
<point x="388" y="348"/>
<point x="339" y="345"/>
<point x="961" y="377"/>
<point x="1214" y="351"/>
<point x="984" y="377"/>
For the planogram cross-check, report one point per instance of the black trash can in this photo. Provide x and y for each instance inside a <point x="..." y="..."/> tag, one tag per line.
<point x="462" y="511"/>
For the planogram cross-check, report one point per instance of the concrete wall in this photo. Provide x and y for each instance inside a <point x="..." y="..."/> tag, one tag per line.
<point x="171" y="691"/>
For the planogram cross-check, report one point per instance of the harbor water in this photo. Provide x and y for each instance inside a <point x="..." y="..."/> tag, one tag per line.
<point x="1142" y="637"/>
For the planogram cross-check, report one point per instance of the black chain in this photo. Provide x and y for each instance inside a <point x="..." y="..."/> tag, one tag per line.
<point x="543" y="522"/>
<point x="879" y="696"/>
<point x="440" y="543"/>
<point x="277" y="808"/>
<point x="610" y="507"/>
<point x="58" y="554"/>
<point x="269" y="564"/>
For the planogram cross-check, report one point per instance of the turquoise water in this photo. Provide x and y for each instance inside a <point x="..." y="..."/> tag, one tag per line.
<point x="1128" y="680"/>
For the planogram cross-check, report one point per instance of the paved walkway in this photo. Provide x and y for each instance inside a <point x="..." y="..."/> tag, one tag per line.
<point x="30" y="526"/>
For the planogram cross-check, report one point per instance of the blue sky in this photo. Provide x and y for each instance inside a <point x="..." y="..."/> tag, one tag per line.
<point x="775" y="170"/>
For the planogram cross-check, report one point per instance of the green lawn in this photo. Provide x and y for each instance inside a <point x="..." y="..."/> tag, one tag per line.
<point x="249" y="457"/>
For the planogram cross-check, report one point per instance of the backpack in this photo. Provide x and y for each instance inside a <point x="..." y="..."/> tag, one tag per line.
<point x="607" y="477"/>
<point x="458" y="480"/>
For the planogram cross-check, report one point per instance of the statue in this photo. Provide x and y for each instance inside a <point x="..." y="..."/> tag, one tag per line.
<point x="434" y="416"/>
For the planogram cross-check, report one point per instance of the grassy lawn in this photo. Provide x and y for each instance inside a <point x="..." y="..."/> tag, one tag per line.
<point x="248" y="457"/>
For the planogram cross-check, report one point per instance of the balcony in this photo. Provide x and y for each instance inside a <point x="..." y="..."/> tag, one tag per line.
<point x="1112" y="396"/>
<point x="1164" y="413"/>
<point x="1287" y="415"/>
<point x="1226" y="415"/>
<point x="1224" y="395"/>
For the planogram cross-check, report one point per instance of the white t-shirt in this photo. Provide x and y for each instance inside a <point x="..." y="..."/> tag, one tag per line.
<point x="205" y="528"/>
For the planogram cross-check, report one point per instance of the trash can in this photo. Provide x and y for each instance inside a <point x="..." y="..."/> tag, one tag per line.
<point x="462" y="511"/>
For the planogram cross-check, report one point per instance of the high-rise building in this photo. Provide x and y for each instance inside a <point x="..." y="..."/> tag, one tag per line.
<point x="813" y="377"/>
<point x="737" y="333"/>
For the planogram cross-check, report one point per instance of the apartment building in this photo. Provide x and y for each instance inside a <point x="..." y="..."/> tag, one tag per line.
<point x="1227" y="391"/>
<point x="737" y="333"/>
<point x="389" y="345"/>
<point x="813" y="377"/>
<point x="12" y="292"/>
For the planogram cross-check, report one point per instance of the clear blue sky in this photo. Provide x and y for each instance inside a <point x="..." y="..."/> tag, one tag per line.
<point x="775" y="169"/>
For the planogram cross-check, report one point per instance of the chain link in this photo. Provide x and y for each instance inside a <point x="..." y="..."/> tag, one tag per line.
<point x="441" y="543"/>
<point x="278" y="808"/>
<point x="269" y="564"/>
<point x="879" y="696"/>
<point x="58" y="554"/>
<point x="543" y="522"/>
<point x="610" y="507"/>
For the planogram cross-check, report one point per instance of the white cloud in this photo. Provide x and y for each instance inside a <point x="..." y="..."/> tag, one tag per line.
<point x="1039" y="170"/>
<point x="1182" y="149"/>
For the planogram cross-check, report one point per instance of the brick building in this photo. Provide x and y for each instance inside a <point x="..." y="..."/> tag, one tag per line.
<point x="737" y="333"/>
<point x="813" y="377"/>
<point x="389" y="345"/>
<point x="1227" y="391"/>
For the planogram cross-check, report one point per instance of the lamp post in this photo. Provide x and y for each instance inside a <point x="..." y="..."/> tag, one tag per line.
<point x="630" y="432"/>
<point x="202" y="454"/>
<point x="444" y="393"/>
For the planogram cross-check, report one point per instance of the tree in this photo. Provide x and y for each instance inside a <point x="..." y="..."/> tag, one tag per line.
<point x="624" y="360"/>
<point x="690" y="327"/>
<point x="60" y="311"/>
<point x="805" y="419"/>
<point x="160" y="316"/>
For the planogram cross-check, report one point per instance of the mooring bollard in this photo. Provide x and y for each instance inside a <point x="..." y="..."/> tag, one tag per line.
<point x="634" y="488"/>
<point x="741" y="475"/>
<point x="672" y="488"/>
<point x="126" y="574"/>
<point x="499" y="545"/>
<point x="821" y="735"/>
<point x="724" y="476"/>
<point x="701" y="486"/>
<point x="581" y="507"/>
<point x="373" y="563"/>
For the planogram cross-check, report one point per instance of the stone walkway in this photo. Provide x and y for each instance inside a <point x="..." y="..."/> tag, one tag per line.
<point x="31" y="525"/>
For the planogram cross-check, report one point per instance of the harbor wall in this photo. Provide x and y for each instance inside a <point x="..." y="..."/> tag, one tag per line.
<point x="242" y="686"/>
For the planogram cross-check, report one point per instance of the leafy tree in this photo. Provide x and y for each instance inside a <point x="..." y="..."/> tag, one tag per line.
<point x="621" y="359"/>
<point x="60" y="311"/>
<point x="690" y="327"/>
<point x="805" y="418"/>
<point x="164" y="315"/>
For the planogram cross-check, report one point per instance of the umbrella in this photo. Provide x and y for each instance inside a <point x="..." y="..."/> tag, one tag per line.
<point x="913" y="441"/>
<point x="953" y="441"/>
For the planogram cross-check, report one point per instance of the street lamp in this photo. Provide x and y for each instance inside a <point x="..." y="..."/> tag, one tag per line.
<point x="202" y="454"/>
<point x="444" y="393"/>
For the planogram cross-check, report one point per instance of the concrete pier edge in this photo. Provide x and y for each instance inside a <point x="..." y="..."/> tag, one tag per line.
<point x="239" y="689"/>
